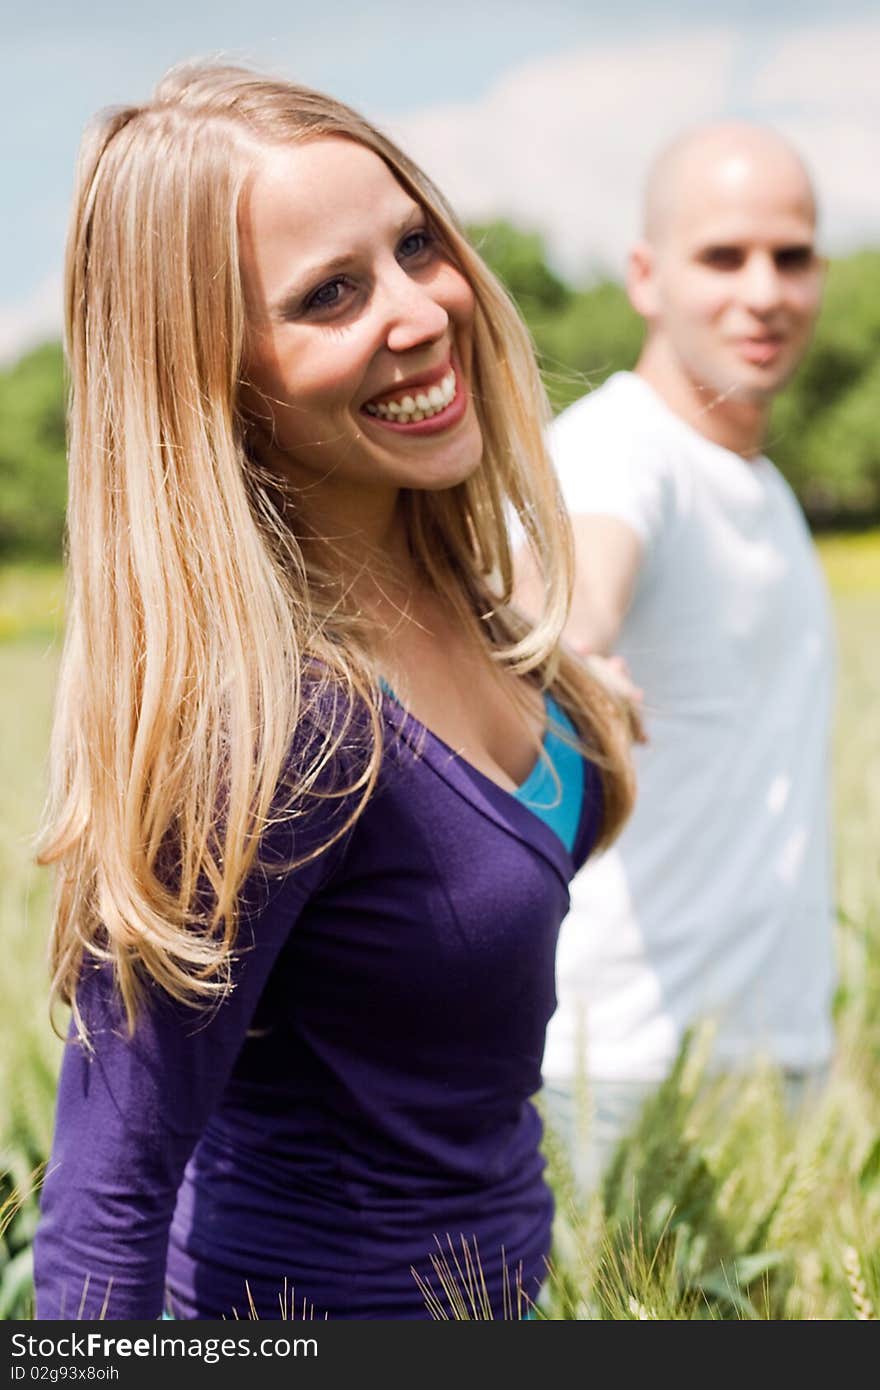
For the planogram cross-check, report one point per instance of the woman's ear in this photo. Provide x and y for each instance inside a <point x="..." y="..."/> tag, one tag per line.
<point x="255" y="418"/>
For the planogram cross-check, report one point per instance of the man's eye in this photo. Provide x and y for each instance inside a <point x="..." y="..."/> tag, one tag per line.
<point x="794" y="258"/>
<point x="722" y="258"/>
<point x="416" y="245"/>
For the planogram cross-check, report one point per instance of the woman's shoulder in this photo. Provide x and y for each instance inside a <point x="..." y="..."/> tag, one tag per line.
<point x="327" y="770"/>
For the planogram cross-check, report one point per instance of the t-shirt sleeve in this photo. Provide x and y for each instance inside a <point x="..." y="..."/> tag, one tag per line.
<point x="130" y="1111"/>
<point x="611" y="467"/>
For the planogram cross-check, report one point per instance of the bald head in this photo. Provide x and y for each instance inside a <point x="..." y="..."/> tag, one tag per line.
<point x="726" y="275"/>
<point x="728" y="162"/>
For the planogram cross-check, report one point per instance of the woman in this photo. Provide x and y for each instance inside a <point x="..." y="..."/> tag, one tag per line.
<point x="312" y="858"/>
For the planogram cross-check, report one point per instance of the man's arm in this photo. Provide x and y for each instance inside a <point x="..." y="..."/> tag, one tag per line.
<point x="608" y="556"/>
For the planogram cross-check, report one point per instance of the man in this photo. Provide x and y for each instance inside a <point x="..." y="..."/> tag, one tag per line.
<point x="695" y="566"/>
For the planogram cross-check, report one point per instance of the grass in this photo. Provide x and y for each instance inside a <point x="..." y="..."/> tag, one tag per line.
<point x="852" y="563"/>
<point x="31" y="602"/>
<point x="718" y="1208"/>
<point x="29" y="1052"/>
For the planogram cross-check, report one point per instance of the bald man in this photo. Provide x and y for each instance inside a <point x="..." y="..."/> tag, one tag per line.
<point x="695" y="566"/>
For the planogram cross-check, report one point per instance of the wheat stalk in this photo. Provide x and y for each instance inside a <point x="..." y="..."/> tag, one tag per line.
<point x="853" y="1267"/>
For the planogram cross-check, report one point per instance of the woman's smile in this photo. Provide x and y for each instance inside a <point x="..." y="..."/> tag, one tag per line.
<point x="427" y="405"/>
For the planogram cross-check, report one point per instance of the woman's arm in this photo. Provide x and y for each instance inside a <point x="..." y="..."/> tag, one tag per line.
<point x="130" y="1114"/>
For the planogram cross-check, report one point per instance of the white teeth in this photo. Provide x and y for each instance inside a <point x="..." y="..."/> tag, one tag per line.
<point x="410" y="410"/>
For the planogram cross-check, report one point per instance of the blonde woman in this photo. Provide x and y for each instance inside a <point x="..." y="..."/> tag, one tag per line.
<point x="312" y="855"/>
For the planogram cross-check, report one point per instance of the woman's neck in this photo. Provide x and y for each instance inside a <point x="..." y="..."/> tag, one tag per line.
<point x="365" y="551"/>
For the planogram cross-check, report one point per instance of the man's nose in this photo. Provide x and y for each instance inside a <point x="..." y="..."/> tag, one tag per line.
<point x="762" y="284"/>
<point x="414" y="314"/>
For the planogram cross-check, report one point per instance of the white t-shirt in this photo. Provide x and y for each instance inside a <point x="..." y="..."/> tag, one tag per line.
<point x="715" y="903"/>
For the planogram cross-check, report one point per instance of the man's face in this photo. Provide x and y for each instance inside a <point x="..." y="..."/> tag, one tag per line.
<point x="732" y="282"/>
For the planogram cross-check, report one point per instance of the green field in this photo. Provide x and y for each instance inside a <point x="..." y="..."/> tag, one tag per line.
<point x="719" y="1209"/>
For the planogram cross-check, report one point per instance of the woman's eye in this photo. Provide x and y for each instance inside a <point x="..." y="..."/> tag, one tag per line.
<point x="416" y="245"/>
<point x="327" y="296"/>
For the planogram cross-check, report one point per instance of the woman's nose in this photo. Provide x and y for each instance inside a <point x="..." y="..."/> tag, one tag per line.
<point x="414" y="314"/>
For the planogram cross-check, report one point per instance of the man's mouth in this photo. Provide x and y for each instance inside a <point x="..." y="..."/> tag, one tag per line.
<point x="760" y="351"/>
<point x="412" y="404"/>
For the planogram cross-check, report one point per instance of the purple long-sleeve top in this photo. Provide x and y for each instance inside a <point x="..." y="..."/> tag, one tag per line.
<point x="359" y="1102"/>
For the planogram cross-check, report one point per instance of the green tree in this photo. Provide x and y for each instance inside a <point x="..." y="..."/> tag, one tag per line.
<point x="581" y="336"/>
<point x="32" y="454"/>
<point x="826" y="425"/>
<point x="519" y="259"/>
<point x="825" y="432"/>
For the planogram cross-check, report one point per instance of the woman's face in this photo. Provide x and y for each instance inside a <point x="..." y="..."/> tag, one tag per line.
<point x="359" y="344"/>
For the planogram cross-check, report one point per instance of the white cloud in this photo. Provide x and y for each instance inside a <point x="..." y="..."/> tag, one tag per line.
<point x="843" y="156"/>
<point x="828" y="67"/>
<point x="562" y="145"/>
<point x="31" y="320"/>
<point x="824" y="84"/>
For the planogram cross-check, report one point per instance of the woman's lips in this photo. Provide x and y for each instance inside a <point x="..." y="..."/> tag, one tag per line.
<point x="443" y="419"/>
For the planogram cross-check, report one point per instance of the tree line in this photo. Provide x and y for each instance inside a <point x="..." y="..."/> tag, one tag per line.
<point x="825" y="433"/>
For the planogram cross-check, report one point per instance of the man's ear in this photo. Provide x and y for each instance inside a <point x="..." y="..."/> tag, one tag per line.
<point x="641" y="280"/>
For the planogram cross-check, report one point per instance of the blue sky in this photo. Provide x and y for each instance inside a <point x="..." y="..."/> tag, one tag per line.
<point x="435" y="76"/>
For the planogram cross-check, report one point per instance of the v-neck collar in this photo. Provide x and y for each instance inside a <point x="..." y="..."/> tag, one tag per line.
<point x="481" y="791"/>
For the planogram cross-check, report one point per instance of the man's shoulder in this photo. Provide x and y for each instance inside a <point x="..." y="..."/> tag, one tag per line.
<point x="598" y="401"/>
<point x="613" y="456"/>
<point x="621" y="408"/>
<point x="614" y="425"/>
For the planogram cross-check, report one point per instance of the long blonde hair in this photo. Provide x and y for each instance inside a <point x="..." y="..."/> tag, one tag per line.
<point x="194" y="613"/>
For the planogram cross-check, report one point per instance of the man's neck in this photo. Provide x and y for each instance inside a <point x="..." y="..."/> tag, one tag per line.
<point x="736" y="424"/>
